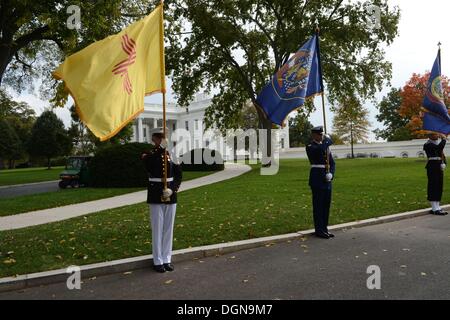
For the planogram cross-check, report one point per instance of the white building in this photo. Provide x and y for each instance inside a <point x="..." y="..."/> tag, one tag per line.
<point x="397" y="149"/>
<point x="190" y="119"/>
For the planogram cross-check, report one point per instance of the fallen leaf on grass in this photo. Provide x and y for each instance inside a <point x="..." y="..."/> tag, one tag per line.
<point x="168" y="282"/>
<point x="423" y="274"/>
<point x="128" y="272"/>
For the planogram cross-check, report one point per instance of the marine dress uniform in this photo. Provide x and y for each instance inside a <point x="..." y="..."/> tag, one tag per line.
<point x="320" y="181"/>
<point x="435" y="172"/>
<point x="162" y="211"/>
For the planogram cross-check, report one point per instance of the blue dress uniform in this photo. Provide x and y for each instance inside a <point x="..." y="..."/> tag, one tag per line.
<point x="321" y="188"/>
<point x="162" y="212"/>
<point x="435" y="173"/>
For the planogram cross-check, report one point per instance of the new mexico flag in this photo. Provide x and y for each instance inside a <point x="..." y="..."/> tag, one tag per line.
<point x="109" y="79"/>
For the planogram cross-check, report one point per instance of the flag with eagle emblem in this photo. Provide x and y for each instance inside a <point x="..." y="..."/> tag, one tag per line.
<point x="436" y="117"/>
<point x="298" y="79"/>
<point x="109" y="79"/>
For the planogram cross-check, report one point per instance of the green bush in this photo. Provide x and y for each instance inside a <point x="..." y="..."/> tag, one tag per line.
<point x="187" y="165"/>
<point x="119" y="166"/>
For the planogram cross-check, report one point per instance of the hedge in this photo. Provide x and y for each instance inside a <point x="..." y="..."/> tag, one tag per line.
<point x="188" y="160"/>
<point x="119" y="166"/>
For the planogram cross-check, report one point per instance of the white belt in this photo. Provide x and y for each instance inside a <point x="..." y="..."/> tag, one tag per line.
<point x="322" y="166"/>
<point x="159" y="179"/>
<point x="435" y="158"/>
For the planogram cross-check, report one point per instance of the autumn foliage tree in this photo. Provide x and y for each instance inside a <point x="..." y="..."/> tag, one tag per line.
<point x="412" y="96"/>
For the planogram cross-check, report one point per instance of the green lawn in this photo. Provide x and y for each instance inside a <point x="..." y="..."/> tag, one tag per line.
<point x="21" y="176"/>
<point x="10" y="206"/>
<point x="245" y="207"/>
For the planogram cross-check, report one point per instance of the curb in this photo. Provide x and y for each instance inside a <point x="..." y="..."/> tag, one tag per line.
<point x="103" y="268"/>
<point x="26" y="184"/>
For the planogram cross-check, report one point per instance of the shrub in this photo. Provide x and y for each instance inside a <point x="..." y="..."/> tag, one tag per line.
<point x="119" y="166"/>
<point x="189" y="163"/>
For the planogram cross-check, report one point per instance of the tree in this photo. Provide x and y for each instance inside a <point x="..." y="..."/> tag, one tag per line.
<point x="412" y="96"/>
<point x="10" y="144"/>
<point x="49" y="138"/>
<point x="389" y="115"/>
<point x="351" y="122"/>
<point x="85" y="142"/>
<point x="34" y="34"/>
<point x="237" y="45"/>
<point x="20" y="116"/>
<point x="299" y="130"/>
<point x="336" y="139"/>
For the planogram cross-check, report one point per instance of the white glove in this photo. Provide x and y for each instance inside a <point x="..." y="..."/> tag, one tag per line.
<point x="329" y="177"/>
<point x="443" y="166"/>
<point x="167" y="193"/>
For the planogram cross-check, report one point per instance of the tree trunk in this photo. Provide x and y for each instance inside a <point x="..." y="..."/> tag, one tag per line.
<point x="266" y="146"/>
<point x="351" y="139"/>
<point x="6" y="54"/>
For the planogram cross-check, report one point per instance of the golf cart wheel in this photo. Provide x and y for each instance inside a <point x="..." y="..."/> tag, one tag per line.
<point x="75" y="184"/>
<point x="63" y="184"/>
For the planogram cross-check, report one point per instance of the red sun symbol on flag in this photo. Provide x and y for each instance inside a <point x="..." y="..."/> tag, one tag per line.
<point x="129" y="46"/>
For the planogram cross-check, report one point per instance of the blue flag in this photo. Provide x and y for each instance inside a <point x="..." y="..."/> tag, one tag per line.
<point x="298" y="79"/>
<point x="436" y="116"/>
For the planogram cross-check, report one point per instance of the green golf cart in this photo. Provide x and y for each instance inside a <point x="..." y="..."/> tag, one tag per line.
<point x="76" y="173"/>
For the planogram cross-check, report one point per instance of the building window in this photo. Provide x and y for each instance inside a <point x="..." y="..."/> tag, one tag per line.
<point x="282" y="143"/>
<point x="186" y="123"/>
<point x="207" y="143"/>
<point x="145" y="132"/>
<point x="174" y="126"/>
<point x="159" y="123"/>
<point x="196" y="124"/>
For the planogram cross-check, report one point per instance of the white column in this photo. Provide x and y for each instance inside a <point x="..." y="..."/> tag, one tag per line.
<point x="140" y="131"/>
<point x="134" y="133"/>
<point x="155" y="123"/>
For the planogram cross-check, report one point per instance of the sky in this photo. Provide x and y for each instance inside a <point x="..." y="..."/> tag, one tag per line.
<point x="422" y="25"/>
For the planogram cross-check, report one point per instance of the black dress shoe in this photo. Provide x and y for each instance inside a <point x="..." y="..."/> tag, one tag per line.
<point x="441" y="213"/>
<point x="322" y="235"/>
<point x="159" y="268"/>
<point x="169" y="267"/>
<point x="330" y="235"/>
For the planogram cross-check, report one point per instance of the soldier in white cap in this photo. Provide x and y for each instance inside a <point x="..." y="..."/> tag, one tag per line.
<point x="162" y="199"/>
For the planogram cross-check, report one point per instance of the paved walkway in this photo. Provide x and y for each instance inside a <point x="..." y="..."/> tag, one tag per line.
<point x="412" y="255"/>
<point x="62" y="213"/>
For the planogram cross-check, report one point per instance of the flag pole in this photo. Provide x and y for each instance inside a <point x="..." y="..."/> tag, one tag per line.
<point x="327" y="157"/>
<point x="323" y="91"/>
<point x="163" y="82"/>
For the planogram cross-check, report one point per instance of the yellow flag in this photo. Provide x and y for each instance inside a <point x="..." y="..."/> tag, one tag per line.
<point x="110" y="78"/>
